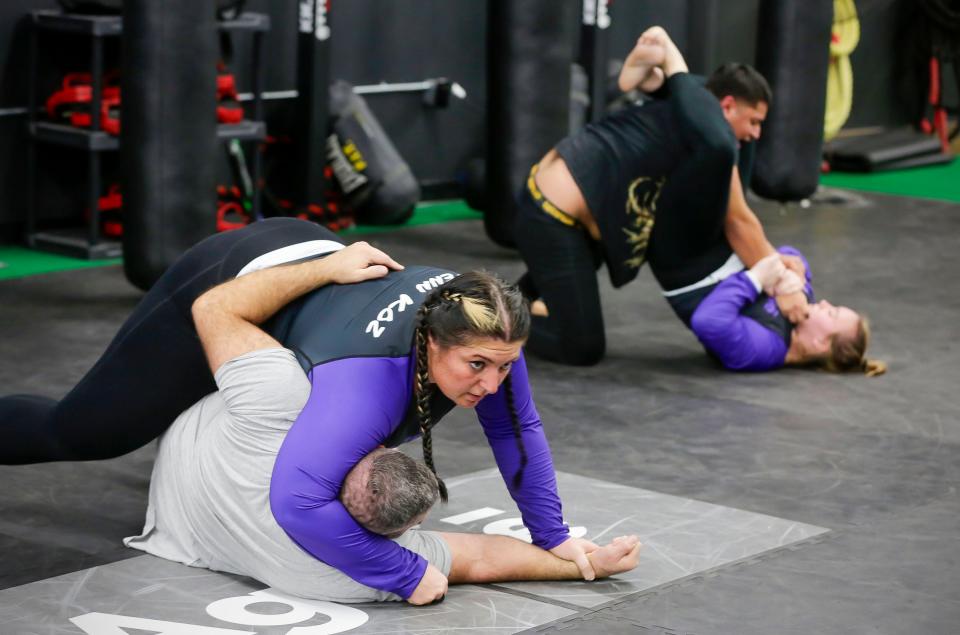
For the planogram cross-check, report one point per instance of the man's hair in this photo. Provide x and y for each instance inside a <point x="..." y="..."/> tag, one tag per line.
<point x="742" y="81"/>
<point x="388" y="491"/>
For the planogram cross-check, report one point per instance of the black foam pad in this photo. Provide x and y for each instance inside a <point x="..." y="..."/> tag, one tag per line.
<point x="168" y="137"/>
<point x="530" y="47"/>
<point x="793" y="51"/>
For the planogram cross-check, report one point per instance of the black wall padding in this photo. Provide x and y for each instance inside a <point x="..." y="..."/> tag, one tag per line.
<point x="530" y="47"/>
<point x="793" y="50"/>
<point x="168" y="132"/>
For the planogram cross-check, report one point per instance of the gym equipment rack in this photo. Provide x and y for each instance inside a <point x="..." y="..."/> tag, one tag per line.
<point x="88" y="243"/>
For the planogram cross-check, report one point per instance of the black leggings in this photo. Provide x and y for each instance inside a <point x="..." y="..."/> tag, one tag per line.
<point x="152" y="370"/>
<point x="562" y="262"/>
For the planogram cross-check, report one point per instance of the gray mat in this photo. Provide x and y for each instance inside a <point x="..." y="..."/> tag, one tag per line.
<point x="155" y="595"/>
<point x="876" y="460"/>
<point x="680" y="536"/>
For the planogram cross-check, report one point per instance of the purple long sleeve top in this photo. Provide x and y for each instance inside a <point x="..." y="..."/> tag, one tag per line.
<point x="739" y="341"/>
<point x="354" y="406"/>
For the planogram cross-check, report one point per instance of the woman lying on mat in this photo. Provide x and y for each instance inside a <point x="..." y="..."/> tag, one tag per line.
<point x="743" y="321"/>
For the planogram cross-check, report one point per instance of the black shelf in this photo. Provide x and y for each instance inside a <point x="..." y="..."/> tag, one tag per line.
<point x="100" y="141"/>
<point x="75" y="242"/>
<point x="95" y="25"/>
<point x="246" y="22"/>
<point x="87" y="242"/>
<point x="61" y="134"/>
<point x="111" y="25"/>
<point x="246" y="130"/>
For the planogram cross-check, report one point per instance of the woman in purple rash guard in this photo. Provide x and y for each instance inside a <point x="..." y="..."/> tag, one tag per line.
<point x="387" y="357"/>
<point x="738" y="320"/>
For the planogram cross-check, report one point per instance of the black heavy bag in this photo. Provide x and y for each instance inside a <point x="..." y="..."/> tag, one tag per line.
<point x="377" y="183"/>
<point x="530" y="47"/>
<point x="793" y="51"/>
<point x="168" y="139"/>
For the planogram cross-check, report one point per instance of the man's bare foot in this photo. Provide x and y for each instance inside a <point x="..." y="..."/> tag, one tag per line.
<point x="641" y="69"/>
<point x="622" y="554"/>
<point x="539" y="308"/>
<point x="673" y="61"/>
<point x="653" y="81"/>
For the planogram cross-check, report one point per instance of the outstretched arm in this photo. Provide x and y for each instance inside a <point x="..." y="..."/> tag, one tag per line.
<point x="479" y="558"/>
<point x="227" y="317"/>
<point x="536" y="495"/>
<point x="742" y="227"/>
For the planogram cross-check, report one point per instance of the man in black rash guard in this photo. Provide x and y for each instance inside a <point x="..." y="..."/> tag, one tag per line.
<point x="658" y="182"/>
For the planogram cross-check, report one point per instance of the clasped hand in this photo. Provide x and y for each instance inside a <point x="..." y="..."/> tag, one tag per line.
<point x="782" y="277"/>
<point x="576" y="550"/>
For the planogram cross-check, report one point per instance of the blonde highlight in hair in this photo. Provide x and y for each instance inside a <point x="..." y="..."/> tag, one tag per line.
<point x="482" y="316"/>
<point x="477" y="305"/>
<point x="849" y="354"/>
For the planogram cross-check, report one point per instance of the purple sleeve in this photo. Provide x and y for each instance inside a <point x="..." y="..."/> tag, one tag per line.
<point x="537" y="495"/>
<point x="738" y="341"/>
<point x="793" y="251"/>
<point x="340" y="424"/>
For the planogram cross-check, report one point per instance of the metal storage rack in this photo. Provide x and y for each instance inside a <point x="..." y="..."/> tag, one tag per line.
<point x="88" y="242"/>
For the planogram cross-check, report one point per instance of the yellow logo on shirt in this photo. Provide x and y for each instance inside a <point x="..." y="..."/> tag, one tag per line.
<point x="642" y="196"/>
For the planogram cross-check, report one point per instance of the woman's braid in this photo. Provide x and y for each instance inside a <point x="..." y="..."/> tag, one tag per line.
<point x="517" y="433"/>
<point x="422" y="393"/>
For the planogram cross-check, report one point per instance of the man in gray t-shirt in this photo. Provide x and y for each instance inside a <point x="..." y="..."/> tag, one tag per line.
<point x="210" y="487"/>
<point x="209" y="496"/>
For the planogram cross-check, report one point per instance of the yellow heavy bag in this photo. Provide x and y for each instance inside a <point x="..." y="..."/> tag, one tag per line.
<point x="843" y="40"/>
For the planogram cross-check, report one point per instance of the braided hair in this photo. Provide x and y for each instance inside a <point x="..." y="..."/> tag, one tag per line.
<point x="473" y="305"/>
<point x="423" y="391"/>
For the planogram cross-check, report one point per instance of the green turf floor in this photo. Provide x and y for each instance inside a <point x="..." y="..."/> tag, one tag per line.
<point x="17" y="262"/>
<point x="937" y="181"/>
